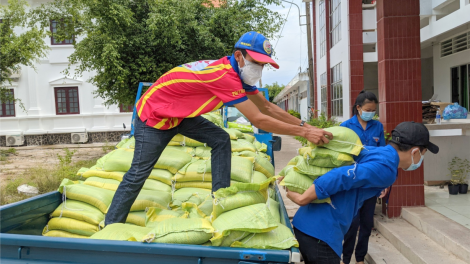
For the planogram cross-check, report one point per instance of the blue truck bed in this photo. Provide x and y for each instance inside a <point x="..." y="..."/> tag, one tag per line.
<point x="21" y="242"/>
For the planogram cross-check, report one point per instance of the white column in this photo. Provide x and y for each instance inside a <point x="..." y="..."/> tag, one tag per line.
<point x="33" y="107"/>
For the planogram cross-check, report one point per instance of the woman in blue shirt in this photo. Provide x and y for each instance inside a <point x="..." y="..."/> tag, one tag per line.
<point x="371" y="133"/>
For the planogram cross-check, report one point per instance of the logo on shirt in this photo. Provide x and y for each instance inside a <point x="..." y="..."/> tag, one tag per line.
<point x="267" y="47"/>
<point x="236" y="93"/>
<point x="376" y="139"/>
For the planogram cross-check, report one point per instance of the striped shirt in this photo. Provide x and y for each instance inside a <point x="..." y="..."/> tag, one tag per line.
<point x="190" y="90"/>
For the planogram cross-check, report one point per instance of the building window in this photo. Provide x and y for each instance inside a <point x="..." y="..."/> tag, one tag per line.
<point x="324" y="102"/>
<point x="322" y="29"/>
<point x="66" y="101"/>
<point x="455" y="44"/>
<point x="335" y="21"/>
<point x="336" y="91"/>
<point x="54" y="26"/>
<point x="7" y="108"/>
<point x="126" y="108"/>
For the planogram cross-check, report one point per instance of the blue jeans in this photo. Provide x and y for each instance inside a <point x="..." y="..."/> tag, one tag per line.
<point x="314" y="250"/>
<point x="365" y="219"/>
<point x="149" y="145"/>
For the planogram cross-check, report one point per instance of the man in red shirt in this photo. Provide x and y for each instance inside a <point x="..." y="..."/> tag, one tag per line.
<point x="174" y="103"/>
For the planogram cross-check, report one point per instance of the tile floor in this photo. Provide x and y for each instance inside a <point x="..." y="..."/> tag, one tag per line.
<point x="455" y="207"/>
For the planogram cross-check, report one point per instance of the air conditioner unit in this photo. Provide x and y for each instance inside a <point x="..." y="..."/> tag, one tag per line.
<point x="15" y="140"/>
<point x="79" y="137"/>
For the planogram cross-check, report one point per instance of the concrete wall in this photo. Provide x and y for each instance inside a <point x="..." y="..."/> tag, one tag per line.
<point x="321" y="61"/>
<point x="304" y="109"/>
<point x="371" y="79"/>
<point x="435" y="165"/>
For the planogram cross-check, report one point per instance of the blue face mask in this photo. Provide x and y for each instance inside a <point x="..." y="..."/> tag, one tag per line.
<point x="414" y="166"/>
<point x="367" y="116"/>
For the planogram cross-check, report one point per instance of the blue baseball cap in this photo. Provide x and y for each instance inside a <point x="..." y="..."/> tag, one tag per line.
<point x="258" y="46"/>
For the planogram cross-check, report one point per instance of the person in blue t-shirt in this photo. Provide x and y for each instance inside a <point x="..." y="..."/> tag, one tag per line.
<point x="320" y="228"/>
<point x="371" y="133"/>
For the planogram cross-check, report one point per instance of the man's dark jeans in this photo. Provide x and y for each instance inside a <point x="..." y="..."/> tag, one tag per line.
<point x="365" y="219"/>
<point x="149" y="145"/>
<point x="315" y="251"/>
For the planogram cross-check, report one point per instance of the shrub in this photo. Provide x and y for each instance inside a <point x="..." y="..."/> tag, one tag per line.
<point x="322" y="121"/>
<point x="294" y="113"/>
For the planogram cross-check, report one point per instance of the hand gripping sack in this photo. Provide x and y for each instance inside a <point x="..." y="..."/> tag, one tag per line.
<point x="239" y="195"/>
<point x="299" y="183"/>
<point x="254" y="219"/>
<point x="279" y="238"/>
<point x="122" y="232"/>
<point x="193" y="231"/>
<point x="344" y="140"/>
<point x="79" y="211"/>
<point x="327" y="158"/>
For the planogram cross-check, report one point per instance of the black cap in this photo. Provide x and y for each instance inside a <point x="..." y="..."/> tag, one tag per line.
<point x="414" y="134"/>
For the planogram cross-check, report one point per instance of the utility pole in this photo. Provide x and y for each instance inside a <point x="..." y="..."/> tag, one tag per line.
<point x="311" y="77"/>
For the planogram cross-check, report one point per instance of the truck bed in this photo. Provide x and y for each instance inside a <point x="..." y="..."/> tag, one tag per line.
<point x="21" y="226"/>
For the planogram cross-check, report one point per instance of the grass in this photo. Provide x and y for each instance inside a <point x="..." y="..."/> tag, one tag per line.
<point x="107" y="147"/>
<point x="46" y="179"/>
<point x="4" y="153"/>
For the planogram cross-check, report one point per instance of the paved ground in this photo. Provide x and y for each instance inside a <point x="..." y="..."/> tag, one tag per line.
<point x="33" y="156"/>
<point x="281" y="158"/>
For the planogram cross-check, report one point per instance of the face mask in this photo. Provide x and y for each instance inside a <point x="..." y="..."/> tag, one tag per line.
<point x="367" y="116"/>
<point x="251" y="72"/>
<point x="414" y="166"/>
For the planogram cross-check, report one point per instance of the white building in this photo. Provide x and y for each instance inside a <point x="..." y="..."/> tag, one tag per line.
<point x="57" y="105"/>
<point x="295" y="95"/>
<point x="404" y="51"/>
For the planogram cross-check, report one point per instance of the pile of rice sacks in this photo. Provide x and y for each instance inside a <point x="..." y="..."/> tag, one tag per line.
<point x="314" y="161"/>
<point x="175" y="204"/>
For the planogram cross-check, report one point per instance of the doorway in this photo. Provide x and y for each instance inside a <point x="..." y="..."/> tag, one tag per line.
<point x="460" y="77"/>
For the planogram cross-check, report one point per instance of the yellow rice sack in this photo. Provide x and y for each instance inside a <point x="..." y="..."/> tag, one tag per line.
<point x="70" y="225"/>
<point x="148" y="198"/>
<point x="99" y="198"/>
<point x="250" y="138"/>
<point x="326" y="158"/>
<point x="185" y="141"/>
<point x="242" y="145"/>
<point x="108" y="184"/>
<point x="114" y="175"/>
<point x="261" y="164"/>
<point x="193" y="231"/>
<point x="273" y="206"/>
<point x="79" y="211"/>
<point x="156" y="215"/>
<point x="122" y="232"/>
<point x="161" y="175"/>
<point x="154" y="185"/>
<point x="299" y="183"/>
<point x="60" y="233"/>
<point x="239" y="195"/>
<point x="136" y="218"/>
<point x="279" y="238"/>
<point x="254" y="219"/>
<point x="344" y="140"/>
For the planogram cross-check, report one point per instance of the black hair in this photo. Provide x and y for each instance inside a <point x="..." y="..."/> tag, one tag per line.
<point x="243" y="51"/>
<point x="405" y="147"/>
<point x="363" y="98"/>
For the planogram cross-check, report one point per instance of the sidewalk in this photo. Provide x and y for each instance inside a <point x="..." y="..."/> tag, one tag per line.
<point x="281" y="158"/>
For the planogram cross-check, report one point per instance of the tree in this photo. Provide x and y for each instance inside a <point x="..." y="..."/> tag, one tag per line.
<point x="125" y="42"/>
<point x="274" y="89"/>
<point x="18" y="49"/>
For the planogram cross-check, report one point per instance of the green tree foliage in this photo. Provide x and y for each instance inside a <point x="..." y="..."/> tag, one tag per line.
<point x="16" y="48"/>
<point x="274" y="89"/>
<point x="294" y="113"/>
<point x="124" y="42"/>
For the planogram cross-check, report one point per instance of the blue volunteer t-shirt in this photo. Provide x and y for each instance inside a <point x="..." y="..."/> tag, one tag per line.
<point x="373" y="135"/>
<point x="348" y="187"/>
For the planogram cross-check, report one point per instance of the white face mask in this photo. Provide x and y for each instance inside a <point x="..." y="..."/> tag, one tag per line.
<point x="251" y="72"/>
